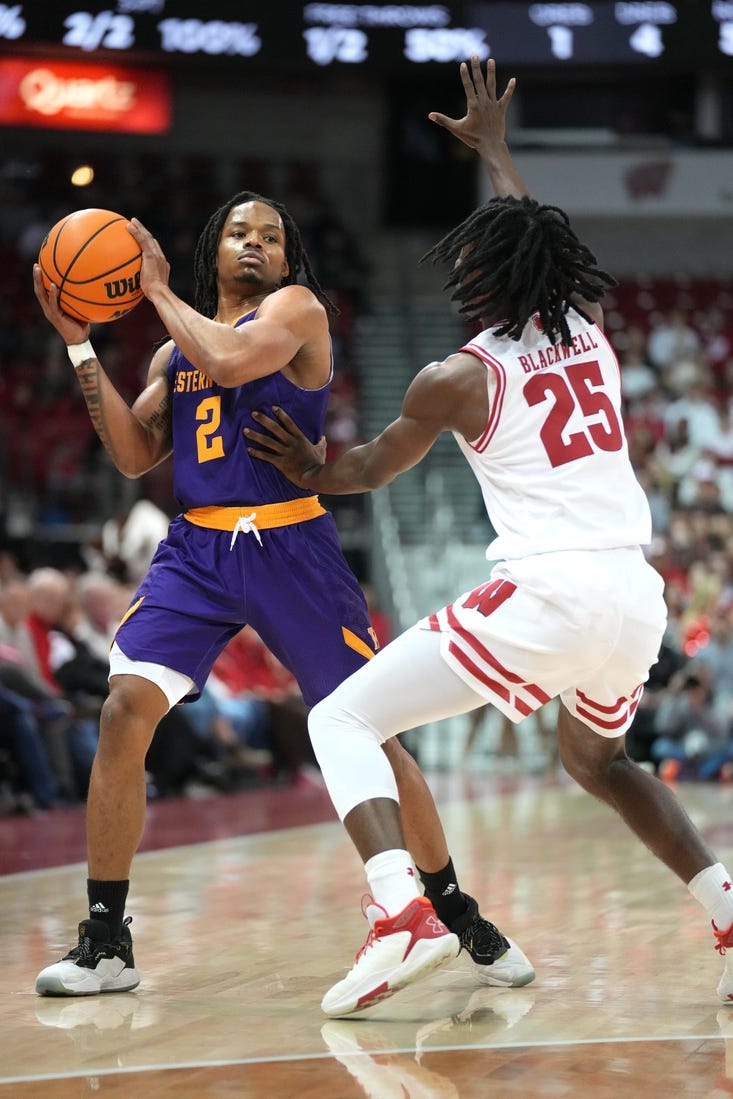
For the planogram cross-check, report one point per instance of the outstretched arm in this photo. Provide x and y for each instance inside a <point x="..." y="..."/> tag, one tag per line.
<point x="483" y="127"/>
<point x="362" y="468"/>
<point x="444" y="396"/>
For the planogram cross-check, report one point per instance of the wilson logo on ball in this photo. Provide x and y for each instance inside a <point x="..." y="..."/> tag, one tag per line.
<point x="120" y="288"/>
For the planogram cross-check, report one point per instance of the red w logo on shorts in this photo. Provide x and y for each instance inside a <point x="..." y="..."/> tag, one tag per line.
<point x="489" y="597"/>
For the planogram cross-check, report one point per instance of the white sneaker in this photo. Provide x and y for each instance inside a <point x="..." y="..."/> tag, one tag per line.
<point x="94" y="965"/>
<point x="512" y="969"/>
<point x="399" y="950"/>
<point x="495" y="959"/>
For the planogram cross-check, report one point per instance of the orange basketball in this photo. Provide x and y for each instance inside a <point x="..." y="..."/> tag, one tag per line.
<point x="95" y="263"/>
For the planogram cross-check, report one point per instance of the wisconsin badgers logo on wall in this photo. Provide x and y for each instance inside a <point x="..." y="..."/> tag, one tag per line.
<point x="72" y="95"/>
<point x="648" y="179"/>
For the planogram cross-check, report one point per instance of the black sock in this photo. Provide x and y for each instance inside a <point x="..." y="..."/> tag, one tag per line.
<point x="442" y="891"/>
<point x="107" y="903"/>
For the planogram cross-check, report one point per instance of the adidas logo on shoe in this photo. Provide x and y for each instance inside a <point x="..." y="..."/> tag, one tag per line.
<point x="99" y="909"/>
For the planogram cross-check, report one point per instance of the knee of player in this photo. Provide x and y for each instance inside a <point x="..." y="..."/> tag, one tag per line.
<point x="597" y="762"/>
<point x="320" y="724"/>
<point x="330" y="725"/>
<point x="125" y="724"/>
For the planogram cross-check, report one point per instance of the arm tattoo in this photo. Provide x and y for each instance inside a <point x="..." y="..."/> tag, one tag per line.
<point x="89" y="379"/>
<point x="160" y="419"/>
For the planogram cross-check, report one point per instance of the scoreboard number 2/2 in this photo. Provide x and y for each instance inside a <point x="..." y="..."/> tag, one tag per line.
<point x="104" y="30"/>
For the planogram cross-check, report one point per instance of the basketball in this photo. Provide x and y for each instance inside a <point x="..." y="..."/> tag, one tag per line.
<point x="95" y="263"/>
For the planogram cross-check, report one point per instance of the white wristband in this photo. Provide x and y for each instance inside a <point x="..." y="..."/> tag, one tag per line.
<point x="80" y="353"/>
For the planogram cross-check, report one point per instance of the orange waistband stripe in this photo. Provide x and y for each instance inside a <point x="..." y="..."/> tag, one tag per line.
<point x="261" y="515"/>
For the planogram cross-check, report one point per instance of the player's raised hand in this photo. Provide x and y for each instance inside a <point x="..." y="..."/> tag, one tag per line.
<point x="484" y="122"/>
<point x="69" y="328"/>
<point x="286" y="447"/>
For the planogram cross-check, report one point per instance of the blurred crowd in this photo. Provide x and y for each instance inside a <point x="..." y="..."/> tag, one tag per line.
<point x="248" y="728"/>
<point x="677" y="379"/>
<point x="674" y="340"/>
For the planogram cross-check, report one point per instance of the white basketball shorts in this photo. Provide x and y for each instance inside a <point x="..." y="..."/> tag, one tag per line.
<point x="584" y="626"/>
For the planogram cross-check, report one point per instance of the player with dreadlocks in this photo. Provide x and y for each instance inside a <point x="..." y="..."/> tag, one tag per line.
<point x="249" y="548"/>
<point x="517" y="257"/>
<point x="570" y="611"/>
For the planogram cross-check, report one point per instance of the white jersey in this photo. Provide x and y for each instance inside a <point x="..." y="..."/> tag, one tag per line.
<point x="553" y="462"/>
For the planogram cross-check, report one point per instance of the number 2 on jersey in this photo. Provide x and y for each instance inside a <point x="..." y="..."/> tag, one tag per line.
<point x="570" y="391"/>
<point x="208" y="444"/>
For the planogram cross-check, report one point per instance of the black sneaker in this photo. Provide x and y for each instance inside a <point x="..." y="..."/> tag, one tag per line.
<point x="496" y="959"/>
<point x="94" y="965"/>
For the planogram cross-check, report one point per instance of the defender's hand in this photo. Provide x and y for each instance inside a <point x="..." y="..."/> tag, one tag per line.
<point x="286" y="447"/>
<point x="484" y="122"/>
<point x="69" y="329"/>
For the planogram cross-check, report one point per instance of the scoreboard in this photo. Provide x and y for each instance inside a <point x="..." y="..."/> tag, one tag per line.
<point x="688" y="35"/>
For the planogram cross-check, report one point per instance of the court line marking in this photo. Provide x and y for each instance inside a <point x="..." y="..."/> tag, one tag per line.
<point x="286" y="1058"/>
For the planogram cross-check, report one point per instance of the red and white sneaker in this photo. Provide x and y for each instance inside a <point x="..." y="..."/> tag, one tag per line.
<point x="399" y="950"/>
<point x="723" y="944"/>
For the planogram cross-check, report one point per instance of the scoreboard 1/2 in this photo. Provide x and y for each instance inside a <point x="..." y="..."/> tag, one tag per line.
<point x="689" y="35"/>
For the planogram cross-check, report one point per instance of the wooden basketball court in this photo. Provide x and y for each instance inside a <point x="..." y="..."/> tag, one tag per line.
<point x="241" y="927"/>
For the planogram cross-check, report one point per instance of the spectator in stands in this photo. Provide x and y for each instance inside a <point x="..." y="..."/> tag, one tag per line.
<point x="717" y="340"/>
<point x="720" y="449"/>
<point x="697" y="406"/>
<point x="49" y="590"/>
<point x="638" y="376"/>
<point x="674" y="458"/>
<point x="671" y="340"/>
<point x="691" y="738"/>
<point x="659" y="502"/>
<point x="24" y="762"/>
<point x="701" y="490"/>
<point x="18" y="643"/>
<point x="645" y="426"/>
<point x="716" y="657"/>
<point x="130" y="539"/>
<point x="51" y="594"/>
<point x="644" y="729"/>
<point x="99" y="600"/>
<point x="21" y="674"/>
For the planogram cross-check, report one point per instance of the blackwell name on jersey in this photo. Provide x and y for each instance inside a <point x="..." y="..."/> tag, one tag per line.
<point x="582" y="343"/>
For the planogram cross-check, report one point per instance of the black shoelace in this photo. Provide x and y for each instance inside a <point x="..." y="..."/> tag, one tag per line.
<point x="483" y="939"/>
<point x="83" y="952"/>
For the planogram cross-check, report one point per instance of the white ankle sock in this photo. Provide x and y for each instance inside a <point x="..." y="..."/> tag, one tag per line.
<point x="713" y="889"/>
<point x="392" y="880"/>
